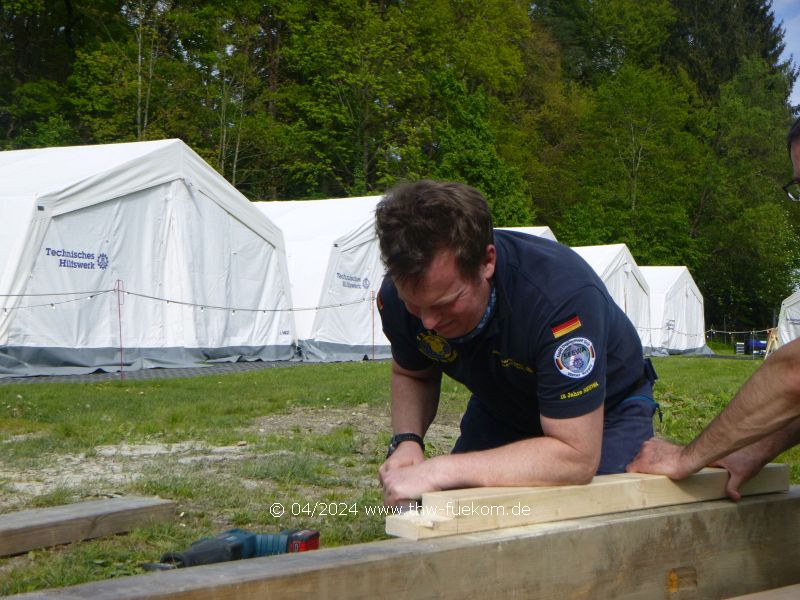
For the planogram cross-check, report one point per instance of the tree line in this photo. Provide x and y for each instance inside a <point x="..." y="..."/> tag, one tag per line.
<point x="658" y="123"/>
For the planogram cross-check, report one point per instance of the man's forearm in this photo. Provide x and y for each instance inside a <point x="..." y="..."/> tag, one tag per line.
<point x="766" y="403"/>
<point x="568" y="453"/>
<point x="531" y="462"/>
<point x="415" y="400"/>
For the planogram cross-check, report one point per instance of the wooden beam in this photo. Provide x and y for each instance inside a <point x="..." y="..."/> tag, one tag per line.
<point x="44" y="527"/>
<point x="712" y="549"/>
<point x="790" y="592"/>
<point x="481" y="509"/>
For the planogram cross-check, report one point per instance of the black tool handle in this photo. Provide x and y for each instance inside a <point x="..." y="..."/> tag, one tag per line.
<point x="205" y="552"/>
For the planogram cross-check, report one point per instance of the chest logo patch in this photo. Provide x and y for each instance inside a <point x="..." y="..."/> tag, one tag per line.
<point x="436" y="347"/>
<point x="510" y="362"/>
<point x="575" y="358"/>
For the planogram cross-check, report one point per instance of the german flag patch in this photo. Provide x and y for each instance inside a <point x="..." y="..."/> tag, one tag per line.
<point x="566" y="327"/>
<point x="378" y="301"/>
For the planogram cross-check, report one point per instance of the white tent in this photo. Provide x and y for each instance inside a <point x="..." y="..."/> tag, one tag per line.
<point x="616" y="266"/>
<point x="204" y="272"/>
<point x="335" y="271"/>
<point x="789" y="319"/>
<point x="676" y="311"/>
<point x="539" y="231"/>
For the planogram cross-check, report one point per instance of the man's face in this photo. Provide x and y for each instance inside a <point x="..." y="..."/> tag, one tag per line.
<point x="446" y="302"/>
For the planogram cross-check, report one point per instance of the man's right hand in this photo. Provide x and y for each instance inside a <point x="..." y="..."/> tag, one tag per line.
<point x="407" y="454"/>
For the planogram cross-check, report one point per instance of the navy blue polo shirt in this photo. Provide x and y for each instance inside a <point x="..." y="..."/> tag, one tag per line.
<point x="556" y="343"/>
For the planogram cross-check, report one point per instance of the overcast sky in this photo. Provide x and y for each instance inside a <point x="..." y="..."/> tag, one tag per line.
<point x="788" y="11"/>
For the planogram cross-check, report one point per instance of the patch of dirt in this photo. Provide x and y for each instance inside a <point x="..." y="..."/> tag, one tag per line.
<point x="105" y="472"/>
<point x="140" y="450"/>
<point x="365" y="419"/>
<point x="110" y="468"/>
<point x="66" y="471"/>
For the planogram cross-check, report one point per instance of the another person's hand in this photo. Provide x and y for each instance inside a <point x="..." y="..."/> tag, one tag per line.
<point x="742" y="465"/>
<point x="660" y="457"/>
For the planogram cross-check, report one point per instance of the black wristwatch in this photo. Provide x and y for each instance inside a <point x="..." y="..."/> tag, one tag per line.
<point x="399" y="438"/>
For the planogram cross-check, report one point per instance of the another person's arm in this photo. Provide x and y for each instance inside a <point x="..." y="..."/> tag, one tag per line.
<point x="748" y="461"/>
<point x="766" y="405"/>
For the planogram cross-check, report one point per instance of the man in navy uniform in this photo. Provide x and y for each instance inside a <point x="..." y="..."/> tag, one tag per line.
<point x="560" y="388"/>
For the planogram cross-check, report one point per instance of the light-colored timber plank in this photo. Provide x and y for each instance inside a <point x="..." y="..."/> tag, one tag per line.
<point x="481" y="509"/>
<point x="712" y="549"/>
<point x="44" y="527"/>
<point x="789" y="592"/>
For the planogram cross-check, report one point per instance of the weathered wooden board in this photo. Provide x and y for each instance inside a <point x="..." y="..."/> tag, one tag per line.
<point x="702" y="550"/>
<point x="790" y="592"/>
<point x="481" y="509"/>
<point x="44" y="527"/>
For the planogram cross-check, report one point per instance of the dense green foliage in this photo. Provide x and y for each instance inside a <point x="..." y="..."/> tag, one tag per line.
<point x="659" y="124"/>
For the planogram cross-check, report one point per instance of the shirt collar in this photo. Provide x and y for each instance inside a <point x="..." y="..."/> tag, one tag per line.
<point x="487" y="314"/>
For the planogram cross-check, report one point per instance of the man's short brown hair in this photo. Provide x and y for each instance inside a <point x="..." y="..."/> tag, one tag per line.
<point x="415" y="221"/>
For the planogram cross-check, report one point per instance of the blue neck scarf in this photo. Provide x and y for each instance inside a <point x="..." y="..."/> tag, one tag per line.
<point x="487" y="314"/>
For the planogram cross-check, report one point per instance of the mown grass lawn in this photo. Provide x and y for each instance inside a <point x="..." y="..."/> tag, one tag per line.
<point x="228" y="448"/>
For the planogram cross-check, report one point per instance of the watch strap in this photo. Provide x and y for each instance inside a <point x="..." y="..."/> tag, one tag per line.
<point x="399" y="438"/>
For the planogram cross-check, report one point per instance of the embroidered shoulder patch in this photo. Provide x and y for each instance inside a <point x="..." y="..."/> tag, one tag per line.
<point x="575" y="358"/>
<point x="378" y="300"/>
<point x="435" y="347"/>
<point x="568" y="326"/>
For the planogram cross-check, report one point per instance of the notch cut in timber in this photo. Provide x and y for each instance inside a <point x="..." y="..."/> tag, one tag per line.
<point x="481" y="509"/>
<point x="44" y="527"/>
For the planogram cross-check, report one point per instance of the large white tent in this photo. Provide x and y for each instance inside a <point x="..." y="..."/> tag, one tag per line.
<point x="789" y="319"/>
<point x="204" y="272"/>
<point x="676" y="311"/>
<point x="335" y="271"/>
<point x="616" y="266"/>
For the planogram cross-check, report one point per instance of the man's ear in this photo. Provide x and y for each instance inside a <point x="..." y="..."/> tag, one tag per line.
<point x="489" y="262"/>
